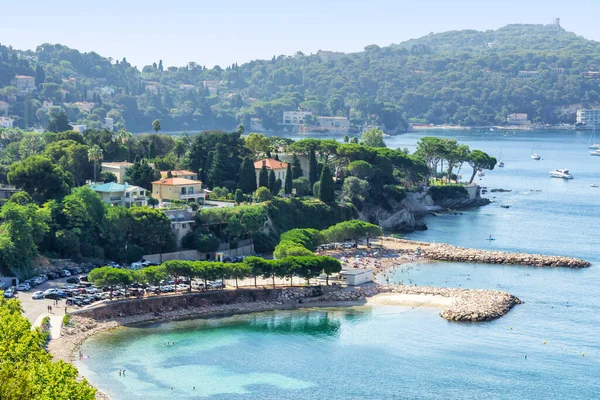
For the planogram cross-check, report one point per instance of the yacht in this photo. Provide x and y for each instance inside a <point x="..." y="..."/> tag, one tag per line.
<point x="594" y="185"/>
<point x="501" y="164"/>
<point x="480" y="172"/>
<point x="595" y="152"/>
<point x="536" y="156"/>
<point x="561" y="173"/>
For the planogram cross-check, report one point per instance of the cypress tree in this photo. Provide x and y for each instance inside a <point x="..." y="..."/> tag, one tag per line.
<point x="247" y="176"/>
<point x="326" y="192"/>
<point x="219" y="166"/>
<point x="271" y="181"/>
<point x="263" y="177"/>
<point x="296" y="167"/>
<point x="312" y="168"/>
<point x="209" y="160"/>
<point x="289" y="185"/>
<point x="276" y="157"/>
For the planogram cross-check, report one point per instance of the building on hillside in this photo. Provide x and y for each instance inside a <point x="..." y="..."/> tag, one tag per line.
<point x="180" y="173"/>
<point x="256" y="125"/>
<point x="117" y="168"/>
<point x="517" y="119"/>
<point x="78" y="127"/>
<point x="47" y="105"/>
<point x="188" y="88"/>
<point x="278" y="167"/>
<point x="327" y="55"/>
<point x="121" y="194"/>
<point x="4" y="107"/>
<point x="591" y="74"/>
<point x="356" y="276"/>
<point x="295" y="117"/>
<point x="182" y="222"/>
<point x="7" y="190"/>
<point x="91" y="93"/>
<point x="84" y="106"/>
<point x="109" y="123"/>
<point x="6" y="122"/>
<point x="527" y="74"/>
<point x="169" y="189"/>
<point x="289" y="158"/>
<point x="24" y="83"/>
<point x="334" y="124"/>
<point x="558" y="70"/>
<point x="213" y="86"/>
<point x="589" y="117"/>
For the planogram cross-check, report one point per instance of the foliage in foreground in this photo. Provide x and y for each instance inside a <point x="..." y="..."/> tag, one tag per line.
<point x="26" y="368"/>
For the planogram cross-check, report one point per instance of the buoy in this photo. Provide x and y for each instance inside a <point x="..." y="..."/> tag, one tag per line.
<point x="544" y="342"/>
<point x="582" y="355"/>
<point x="511" y="328"/>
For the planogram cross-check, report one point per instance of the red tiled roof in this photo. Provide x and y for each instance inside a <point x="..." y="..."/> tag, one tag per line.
<point x="270" y="163"/>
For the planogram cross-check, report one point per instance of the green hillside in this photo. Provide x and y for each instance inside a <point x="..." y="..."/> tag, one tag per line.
<point x="459" y="77"/>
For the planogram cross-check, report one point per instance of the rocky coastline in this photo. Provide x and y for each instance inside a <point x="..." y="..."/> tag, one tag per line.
<point x="468" y="305"/>
<point x="446" y="252"/>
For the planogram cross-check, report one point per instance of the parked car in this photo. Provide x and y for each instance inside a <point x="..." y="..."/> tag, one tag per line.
<point x="23" y="287"/>
<point x="216" y="285"/>
<point x="53" y="275"/>
<point x="74" y="301"/>
<point x="9" y="293"/>
<point x="65" y="272"/>
<point x="73" y="279"/>
<point x="38" y="295"/>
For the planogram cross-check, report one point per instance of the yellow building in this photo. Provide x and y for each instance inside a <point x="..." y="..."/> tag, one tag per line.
<point x="178" y="189"/>
<point x="117" y="168"/>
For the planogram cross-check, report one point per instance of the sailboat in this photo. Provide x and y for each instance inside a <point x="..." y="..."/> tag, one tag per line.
<point x="535" y="156"/>
<point x="501" y="163"/>
<point x="592" y="143"/>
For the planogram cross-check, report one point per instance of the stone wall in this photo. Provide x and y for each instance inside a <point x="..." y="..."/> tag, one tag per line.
<point x="178" y="255"/>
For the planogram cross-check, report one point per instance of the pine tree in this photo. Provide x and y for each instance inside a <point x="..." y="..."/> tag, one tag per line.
<point x="263" y="177"/>
<point x="326" y="192"/>
<point x="312" y="168"/>
<point x="296" y="167"/>
<point x="204" y="174"/>
<point x="289" y="185"/>
<point x="272" y="181"/>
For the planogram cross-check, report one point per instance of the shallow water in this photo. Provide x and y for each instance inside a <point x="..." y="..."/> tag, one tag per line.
<point x="399" y="352"/>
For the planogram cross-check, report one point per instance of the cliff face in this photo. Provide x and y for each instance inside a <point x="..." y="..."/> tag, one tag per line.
<point x="406" y="216"/>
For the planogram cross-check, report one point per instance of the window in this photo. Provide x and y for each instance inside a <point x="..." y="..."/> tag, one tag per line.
<point x="183" y="226"/>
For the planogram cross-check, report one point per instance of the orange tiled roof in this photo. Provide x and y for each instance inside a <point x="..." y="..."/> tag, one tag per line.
<point x="176" y="181"/>
<point x="178" y="172"/>
<point x="271" y="164"/>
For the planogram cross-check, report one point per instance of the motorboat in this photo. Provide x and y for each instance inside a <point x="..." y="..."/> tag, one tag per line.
<point x="595" y="153"/>
<point x="536" y="156"/>
<point x="480" y="172"/>
<point x="561" y="173"/>
<point x="594" y="185"/>
<point x="501" y="164"/>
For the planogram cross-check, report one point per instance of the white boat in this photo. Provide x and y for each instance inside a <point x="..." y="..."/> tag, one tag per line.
<point x="595" y="153"/>
<point x="536" y="156"/>
<point x="501" y="164"/>
<point x="594" y="185"/>
<point x="480" y="172"/>
<point x="561" y="173"/>
<point x="592" y="143"/>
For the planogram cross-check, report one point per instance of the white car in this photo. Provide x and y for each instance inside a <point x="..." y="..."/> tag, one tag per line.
<point x="23" y="287"/>
<point x="50" y="291"/>
<point x="38" y="295"/>
<point x="66" y="273"/>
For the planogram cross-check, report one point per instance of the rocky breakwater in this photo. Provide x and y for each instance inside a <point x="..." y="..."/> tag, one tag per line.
<point x="446" y="252"/>
<point x="468" y="305"/>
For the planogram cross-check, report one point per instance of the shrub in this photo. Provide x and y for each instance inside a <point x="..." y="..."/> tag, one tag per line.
<point x="263" y="194"/>
<point x="447" y="192"/>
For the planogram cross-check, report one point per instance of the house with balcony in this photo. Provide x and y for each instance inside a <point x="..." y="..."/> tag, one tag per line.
<point x="124" y="195"/>
<point x="169" y="189"/>
<point x="278" y="167"/>
<point x="182" y="222"/>
<point x="180" y="173"/>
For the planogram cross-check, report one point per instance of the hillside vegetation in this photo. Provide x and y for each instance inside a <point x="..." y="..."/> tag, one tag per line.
<point x="460" y="77"/>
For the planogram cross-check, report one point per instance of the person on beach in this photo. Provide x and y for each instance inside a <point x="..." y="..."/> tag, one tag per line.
<point x="120" y="372"/>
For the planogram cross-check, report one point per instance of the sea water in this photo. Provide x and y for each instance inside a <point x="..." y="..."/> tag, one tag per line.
<point x="546" y="348"/>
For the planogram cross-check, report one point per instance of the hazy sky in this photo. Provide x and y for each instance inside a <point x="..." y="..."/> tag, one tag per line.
<point x="223" y="32"/>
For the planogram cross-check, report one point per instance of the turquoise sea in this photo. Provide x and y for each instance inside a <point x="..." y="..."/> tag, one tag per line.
<point x="386" y="352"/>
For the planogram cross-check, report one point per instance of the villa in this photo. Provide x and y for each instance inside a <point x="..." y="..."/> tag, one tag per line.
<point x="278" y="167"/>
<point x="169" y="189"/>
<point x="180" y="173"/>
<point x="121" y="194"/>
<point x="117" y="168"/>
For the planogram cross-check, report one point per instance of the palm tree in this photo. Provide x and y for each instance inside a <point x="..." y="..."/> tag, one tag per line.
<point x="181" y="147"/>
<point x="123" y="137"/>
<point x="95" y="154"/>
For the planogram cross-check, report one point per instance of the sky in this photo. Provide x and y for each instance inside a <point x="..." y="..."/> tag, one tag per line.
<point x="223" y="32"/>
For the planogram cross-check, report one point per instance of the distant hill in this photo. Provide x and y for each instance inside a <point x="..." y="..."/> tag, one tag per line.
<point x="460" y="77"/>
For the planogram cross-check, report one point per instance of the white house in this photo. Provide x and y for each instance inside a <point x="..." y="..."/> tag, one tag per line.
<point x="356" y="276"/>
<point x="213" y="86"/>
<point x="517" y="119"/>
<point x="121" y="195"/>
<point x="589" y="117"/>
<point x="279" y="168"/>
<point x="334" y="124"/>
<point x="295" y="117"/>
<point x="6" y="122"/>
<point x="24" y="83"/>
<point x="109" y="123"/>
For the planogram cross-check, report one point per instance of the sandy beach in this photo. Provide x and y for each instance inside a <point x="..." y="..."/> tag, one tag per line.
<point x="410" y="300"/>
